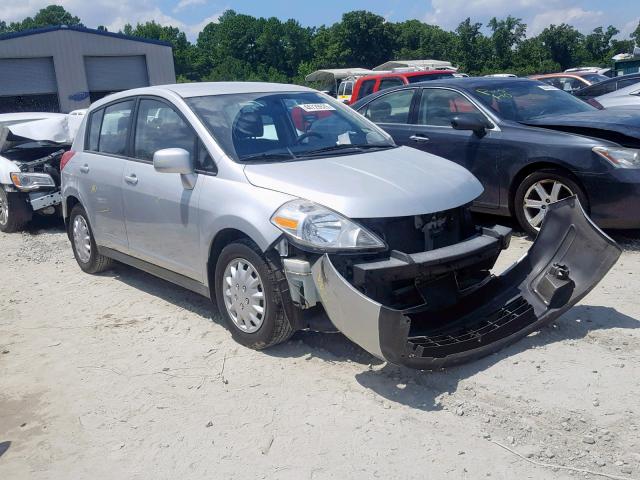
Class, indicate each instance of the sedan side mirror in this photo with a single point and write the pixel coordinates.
(176, 160)
(469, 121)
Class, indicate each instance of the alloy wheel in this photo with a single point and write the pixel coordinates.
(244, 295)
(538, 198)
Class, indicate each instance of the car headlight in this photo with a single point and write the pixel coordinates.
(314, 226)
(27, 181)
(620, 157)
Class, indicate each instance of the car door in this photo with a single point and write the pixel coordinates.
(100, 172)
(392, 112)
(432, 132)
(161, 215)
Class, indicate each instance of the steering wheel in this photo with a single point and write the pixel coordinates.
(308, 135)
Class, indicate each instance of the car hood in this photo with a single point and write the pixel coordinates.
(389, 183)
(621, 125)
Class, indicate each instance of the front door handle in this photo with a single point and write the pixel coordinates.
(419, 138)
(84, 168)
(131, 179)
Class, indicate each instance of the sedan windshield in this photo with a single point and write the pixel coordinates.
(285, 126)
(522, 101)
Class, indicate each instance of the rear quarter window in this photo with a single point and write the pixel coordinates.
(95, 122)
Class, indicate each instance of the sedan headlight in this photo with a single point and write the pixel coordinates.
(619, 156)
(314, 226)
(27, 181)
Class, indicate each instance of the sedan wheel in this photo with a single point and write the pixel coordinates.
(538, 198)
(244, 295)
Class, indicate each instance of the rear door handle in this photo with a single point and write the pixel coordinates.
(419, 138)
(131, 179)
(84, 168)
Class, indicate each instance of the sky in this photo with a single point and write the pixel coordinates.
(192, 15)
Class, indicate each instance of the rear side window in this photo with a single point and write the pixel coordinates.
(366, 88)
(390, 82)
(159, 126)
(95, 122)
(597, 90)
(391, 108)
(114, 131)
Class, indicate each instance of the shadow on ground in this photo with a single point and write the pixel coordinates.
(417, 389)
(4, 446)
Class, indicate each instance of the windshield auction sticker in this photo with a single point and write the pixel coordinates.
(316, 107)
(547, 87)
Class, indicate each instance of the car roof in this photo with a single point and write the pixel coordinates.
(563, 74)
(405, 74)
(467, 83)
(201, 89)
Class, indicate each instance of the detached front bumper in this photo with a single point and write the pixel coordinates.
(568, 258)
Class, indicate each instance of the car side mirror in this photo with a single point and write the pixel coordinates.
(176, 160)
(469, 121)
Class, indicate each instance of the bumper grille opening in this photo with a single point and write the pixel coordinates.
(473, 331)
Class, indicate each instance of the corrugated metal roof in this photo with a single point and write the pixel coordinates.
(75, 28)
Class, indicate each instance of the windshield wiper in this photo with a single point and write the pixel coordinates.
(265, 156)
(343, 147)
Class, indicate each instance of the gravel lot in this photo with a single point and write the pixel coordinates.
(126, 376)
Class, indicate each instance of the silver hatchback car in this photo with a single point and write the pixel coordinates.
(290, 209)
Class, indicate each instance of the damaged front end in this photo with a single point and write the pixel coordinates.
(441, 307)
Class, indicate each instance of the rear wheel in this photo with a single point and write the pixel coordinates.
(84, 245)
(539, 190)
(15, 212)
(248, 296)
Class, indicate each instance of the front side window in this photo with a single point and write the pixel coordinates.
(159, 126)
(285, 126)
(438, 106)
(522, 101)
(348, 88)
(394, 107)
(114, 131)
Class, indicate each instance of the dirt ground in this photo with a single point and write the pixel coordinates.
(126, 376)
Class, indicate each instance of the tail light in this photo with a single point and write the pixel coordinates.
(66, 156)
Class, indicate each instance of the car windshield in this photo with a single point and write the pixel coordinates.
(429, 76)
(525, 101)
(285, 126)
(594, 77)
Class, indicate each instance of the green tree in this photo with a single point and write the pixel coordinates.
(415, 39)
(635, 35)
(563, 43)
(183, 51)
(506, 36)
(597, 45)
(473, 49)
(49, 16)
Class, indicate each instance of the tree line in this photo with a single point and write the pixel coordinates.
(244, 47)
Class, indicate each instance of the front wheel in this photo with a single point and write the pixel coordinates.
(248, 296)
(14, 211)
(537, 191)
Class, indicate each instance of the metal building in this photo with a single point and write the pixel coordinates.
(60, 69)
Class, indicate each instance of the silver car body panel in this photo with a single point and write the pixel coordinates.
(389, 183)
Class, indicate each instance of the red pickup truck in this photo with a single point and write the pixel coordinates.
(373, 83)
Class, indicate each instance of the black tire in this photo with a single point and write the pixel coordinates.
(275, 327)
(17, 211)
(532, 179)
(96, 263)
